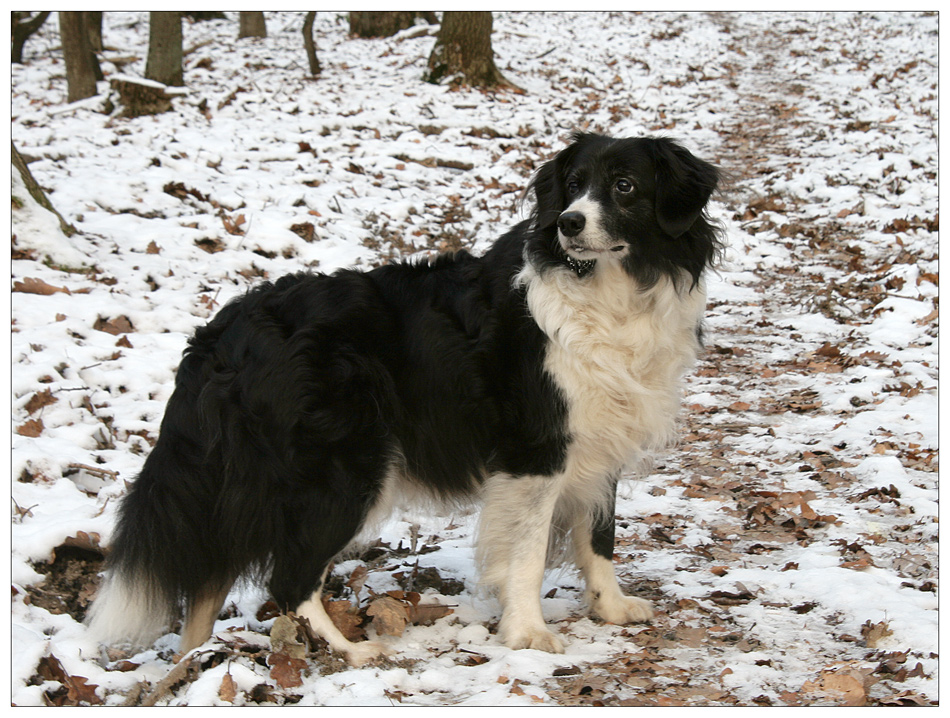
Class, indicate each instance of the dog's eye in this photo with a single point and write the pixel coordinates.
(573, 187)
(624, 186)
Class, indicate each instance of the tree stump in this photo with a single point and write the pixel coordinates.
(143, 97)
(386, 24)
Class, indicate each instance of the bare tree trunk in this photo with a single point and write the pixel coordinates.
(309, 45)
(463, 54)
(164, 49)
(81, 64)
(201, 16)
(22, 27)
(386, 24)
(36, 191)
(94, 26)
(252, 24)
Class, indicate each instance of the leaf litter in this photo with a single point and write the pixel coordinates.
(789, 541)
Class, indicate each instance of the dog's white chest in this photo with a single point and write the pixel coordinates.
(618, 354)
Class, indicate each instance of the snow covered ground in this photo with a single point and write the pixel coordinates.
(789, 543)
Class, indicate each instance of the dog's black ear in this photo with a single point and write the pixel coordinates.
(684, 184)
(548, 191)
(549, 182)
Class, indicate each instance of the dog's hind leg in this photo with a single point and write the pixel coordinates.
(356, 654)
(300, 568)
(200, 617)
(593, 543)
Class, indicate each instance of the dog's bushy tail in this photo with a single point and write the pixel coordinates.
(166, 551)
(162, 557)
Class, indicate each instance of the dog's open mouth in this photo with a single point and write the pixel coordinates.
(582, 251)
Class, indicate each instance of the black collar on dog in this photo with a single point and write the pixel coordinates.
(581, 267)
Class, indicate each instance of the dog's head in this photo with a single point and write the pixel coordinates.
(637, 201)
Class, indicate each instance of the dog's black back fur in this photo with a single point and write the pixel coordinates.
(293, 402)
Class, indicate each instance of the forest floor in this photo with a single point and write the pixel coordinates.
(789, 543)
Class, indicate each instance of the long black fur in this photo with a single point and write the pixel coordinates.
(294, 402)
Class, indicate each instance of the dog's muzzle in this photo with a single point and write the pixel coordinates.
(589, 244)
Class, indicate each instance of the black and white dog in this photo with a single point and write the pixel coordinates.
(527, 378)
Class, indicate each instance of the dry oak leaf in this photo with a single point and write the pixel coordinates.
(32, 428)
(415, 612)
(389, 614)
(346, 618)
(31, 285)
(119, 325)
(906, 698)
(283, 638)
(39, 400)
(82, 540)
(233, 226)
(228, 689)
(848, 685)
(77, 689)
(358, 578)
(286, 670)
(423, 614)
(875, 632)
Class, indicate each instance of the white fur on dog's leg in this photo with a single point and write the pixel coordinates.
(357, 654)
(603, 593)
(540, 639)
(516, 521)
(620, 609)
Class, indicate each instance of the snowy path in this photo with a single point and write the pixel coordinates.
(811, 488)
(818, 523)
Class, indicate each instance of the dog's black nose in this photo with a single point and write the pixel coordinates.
(571, 223)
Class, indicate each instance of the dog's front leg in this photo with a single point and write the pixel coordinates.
(593, 541)
(513, 541)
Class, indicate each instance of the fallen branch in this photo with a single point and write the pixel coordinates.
(175, 675)
(95, 471)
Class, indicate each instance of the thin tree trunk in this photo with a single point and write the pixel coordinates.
(164, 49)
(94, 26)
(36, 191)
(80, 61)
(92, 21)
(309, 45)
(21, 30)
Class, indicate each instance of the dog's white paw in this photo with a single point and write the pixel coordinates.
(622, 609)
(540, 639)
(359, 654)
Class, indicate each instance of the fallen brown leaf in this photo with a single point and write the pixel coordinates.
(31, 428)
(346, 618)
(286, 670)
(227, 691)
(39, 400)
(31, 285)
(846, 684)
(389, 614)
(78, 690)
(875, 632)
(119, 325)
